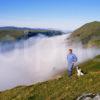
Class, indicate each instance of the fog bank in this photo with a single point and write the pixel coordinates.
(38, 59)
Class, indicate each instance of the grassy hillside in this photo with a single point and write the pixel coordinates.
(12, 33)
(63, 88)
(88, 34)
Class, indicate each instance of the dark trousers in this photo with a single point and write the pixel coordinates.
(70, 68)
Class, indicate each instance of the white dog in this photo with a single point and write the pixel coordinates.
(79, 72)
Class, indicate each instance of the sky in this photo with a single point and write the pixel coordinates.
(57, 14)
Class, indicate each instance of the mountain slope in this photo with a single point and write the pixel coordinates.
(24, 33)
(62, 88)
(88, 34)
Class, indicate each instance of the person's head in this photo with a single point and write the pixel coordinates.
(70, 50)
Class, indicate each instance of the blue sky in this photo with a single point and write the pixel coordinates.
(59, 14)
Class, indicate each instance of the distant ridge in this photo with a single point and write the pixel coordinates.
(25, 33)
(20, 28)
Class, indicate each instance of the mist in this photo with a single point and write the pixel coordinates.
(38, 59)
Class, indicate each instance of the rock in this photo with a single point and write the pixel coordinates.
(97, 97)
(89, 96)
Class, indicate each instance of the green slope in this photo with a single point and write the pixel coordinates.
(88, 34)
(62, 88)
(12, 33)
(19, 33)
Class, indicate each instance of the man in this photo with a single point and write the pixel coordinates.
(72, 59)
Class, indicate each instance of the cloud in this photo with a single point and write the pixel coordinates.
(37, 59)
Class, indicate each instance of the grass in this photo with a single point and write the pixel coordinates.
(63, 88)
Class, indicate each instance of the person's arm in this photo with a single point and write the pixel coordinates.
(74, 58)
(67, 57)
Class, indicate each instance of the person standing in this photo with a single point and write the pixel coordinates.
(71, 59)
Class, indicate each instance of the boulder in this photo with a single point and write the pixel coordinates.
(89, 96)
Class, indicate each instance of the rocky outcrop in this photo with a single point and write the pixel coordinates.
(89, 96)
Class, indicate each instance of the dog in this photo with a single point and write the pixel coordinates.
(79, 72)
